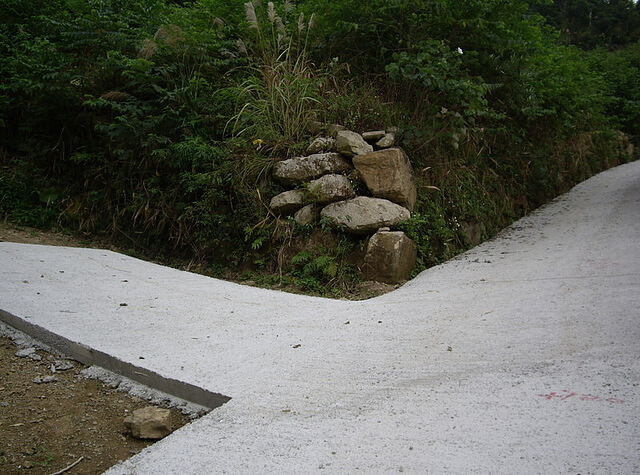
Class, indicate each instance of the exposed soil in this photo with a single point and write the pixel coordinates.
(11, 233)
(47, 426)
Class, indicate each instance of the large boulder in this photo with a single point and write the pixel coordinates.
(388, 174)
(287, 202)
(297, 170)
(362, 215)
(149, 423)
(390, 257)
(350, 143)
(330, 188)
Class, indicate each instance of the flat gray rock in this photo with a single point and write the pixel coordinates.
(307, 215)
(362, 215)
(287, 202)
(320, 144)
(388, 140)
(295, 171)
(373, 135)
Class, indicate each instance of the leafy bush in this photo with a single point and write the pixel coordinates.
(26, 203)
(620, 71)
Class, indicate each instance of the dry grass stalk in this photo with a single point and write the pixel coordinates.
(242, 47)
(171, 35)
(219, 23)
(148, 49)
(251, 15)
(115, 96)
(271, 12)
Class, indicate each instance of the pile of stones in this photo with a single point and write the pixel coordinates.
(323, 184)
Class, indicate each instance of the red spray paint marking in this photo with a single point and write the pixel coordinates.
(565, 394)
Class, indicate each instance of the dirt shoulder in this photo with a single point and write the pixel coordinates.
(51, 418)
(13, 233)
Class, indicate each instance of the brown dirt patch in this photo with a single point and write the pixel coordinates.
(48, 426)
(11, 233)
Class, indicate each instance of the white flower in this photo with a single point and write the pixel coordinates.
(459, 50)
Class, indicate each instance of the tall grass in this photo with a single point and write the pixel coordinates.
(280, 95)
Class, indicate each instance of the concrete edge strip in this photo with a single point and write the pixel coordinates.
(90, 357)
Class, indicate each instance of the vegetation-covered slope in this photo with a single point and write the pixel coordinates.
(156, 122)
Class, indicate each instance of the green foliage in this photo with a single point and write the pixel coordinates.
(312, 269)
(279, 97)
(561, 87)
(593, 23)
(28, 203)
(437, 71)
(116, 117)
(131, 120)
(323, 268)
(620, 71)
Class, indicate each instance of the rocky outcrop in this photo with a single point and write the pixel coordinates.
(298, 170)
(390, 258)
(362, 215)
(324, 191)
(149, 423)
(388, 174)
(350, 143)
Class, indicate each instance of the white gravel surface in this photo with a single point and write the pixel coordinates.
(520, 356)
